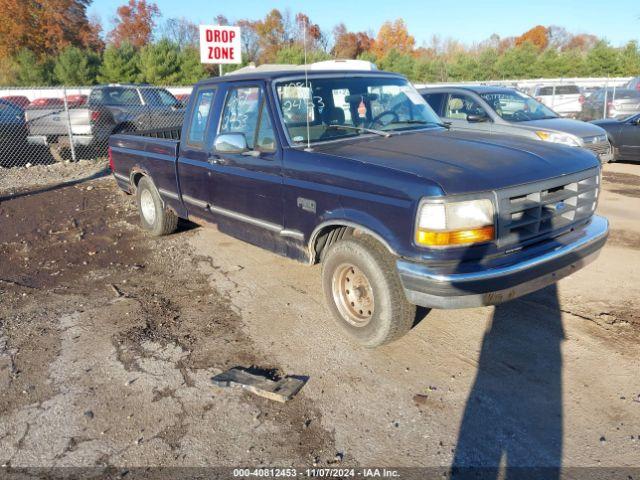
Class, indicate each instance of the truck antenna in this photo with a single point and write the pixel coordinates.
(306, 82)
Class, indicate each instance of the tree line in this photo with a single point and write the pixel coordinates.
(54, 42)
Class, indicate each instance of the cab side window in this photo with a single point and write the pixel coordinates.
(460, 105)
(241, 111)
(200, 115)
(435, 101)
(245, 112)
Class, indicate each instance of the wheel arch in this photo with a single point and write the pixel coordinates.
(331, 231)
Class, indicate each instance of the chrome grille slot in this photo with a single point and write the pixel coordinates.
(598, 145)
(539, 210)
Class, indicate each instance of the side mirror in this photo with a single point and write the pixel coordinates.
(231, 143)
(476, 118)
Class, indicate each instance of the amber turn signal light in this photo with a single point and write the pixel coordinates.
(457, 237)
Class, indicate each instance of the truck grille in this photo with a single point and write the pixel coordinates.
(540, 210)
(598, 144)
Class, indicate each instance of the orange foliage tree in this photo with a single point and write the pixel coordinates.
(46, 27)
(134, 23)
(538, 36)
(350, 44)
(393, 36)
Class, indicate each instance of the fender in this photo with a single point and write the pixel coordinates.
(362, 221)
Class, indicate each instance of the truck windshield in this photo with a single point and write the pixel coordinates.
(348, 106)
(517, 107)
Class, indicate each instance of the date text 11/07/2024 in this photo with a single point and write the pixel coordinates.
(316, 472)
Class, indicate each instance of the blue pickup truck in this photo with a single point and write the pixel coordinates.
(354, 170)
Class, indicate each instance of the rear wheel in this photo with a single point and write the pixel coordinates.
(154, 217)
(364, 293)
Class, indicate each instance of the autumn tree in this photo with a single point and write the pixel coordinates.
(350, 44)
(393, 36)
(181, 31)
(250, 40)
(46, 27)
(134, 23)
(538, 36)
(272, 35)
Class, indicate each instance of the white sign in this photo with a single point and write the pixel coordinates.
(220, 44)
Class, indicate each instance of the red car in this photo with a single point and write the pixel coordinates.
(47, 102)
(18, 100)
(76, 100)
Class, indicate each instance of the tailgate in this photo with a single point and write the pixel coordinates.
(53, 122)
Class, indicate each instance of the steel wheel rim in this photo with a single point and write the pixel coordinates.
(148, 207)
(353, 295)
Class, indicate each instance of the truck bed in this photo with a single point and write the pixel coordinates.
(148, 151)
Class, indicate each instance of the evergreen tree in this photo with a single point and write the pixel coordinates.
(518, 62)
(159, 63)
(630, 59)
(191, 70)
(76, 67)
(120, 64)
(602, 60)
(31, 72)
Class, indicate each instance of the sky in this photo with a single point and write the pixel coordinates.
(468, 21)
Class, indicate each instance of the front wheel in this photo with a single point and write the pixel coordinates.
(154, 217)
(364, 292)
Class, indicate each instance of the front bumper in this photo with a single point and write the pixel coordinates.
(426, 287)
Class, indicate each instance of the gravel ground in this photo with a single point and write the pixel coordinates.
(109, 338)
(19, 179)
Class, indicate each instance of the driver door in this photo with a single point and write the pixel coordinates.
(457, 109)
(630, 139)
(247, 187)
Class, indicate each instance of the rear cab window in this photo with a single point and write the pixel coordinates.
(200, 116)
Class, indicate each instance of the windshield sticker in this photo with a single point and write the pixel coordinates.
(298, 138)
(362, 109)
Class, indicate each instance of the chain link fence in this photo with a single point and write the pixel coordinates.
(42, 126)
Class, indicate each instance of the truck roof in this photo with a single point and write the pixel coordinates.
(276, 74)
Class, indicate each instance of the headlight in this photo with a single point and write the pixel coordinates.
(555, 137)
(455, 223)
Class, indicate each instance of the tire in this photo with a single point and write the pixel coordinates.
(380, 312)
(154, 218)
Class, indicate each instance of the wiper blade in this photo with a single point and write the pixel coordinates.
(359, 129)
(422, 122)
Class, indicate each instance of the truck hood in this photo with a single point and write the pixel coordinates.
(465, 162)
(565, 125)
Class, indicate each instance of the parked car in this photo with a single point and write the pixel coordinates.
(400, 210)
(108, 109)
(621, 103)
(42, 103)
(624, 136)
(13, 133)
(498, 110)
(565, 100)
(634, 84)
(76, 100)
(18, 100)
(183, 98)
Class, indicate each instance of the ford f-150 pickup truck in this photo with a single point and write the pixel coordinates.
(354, 170)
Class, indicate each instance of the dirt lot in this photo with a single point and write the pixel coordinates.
(109, 338)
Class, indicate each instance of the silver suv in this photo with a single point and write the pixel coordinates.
(500, 110)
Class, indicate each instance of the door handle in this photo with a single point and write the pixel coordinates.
(214, 159)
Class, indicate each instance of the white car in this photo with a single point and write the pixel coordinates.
(566, 100)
